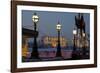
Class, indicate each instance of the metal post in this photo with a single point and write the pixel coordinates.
(84, 49)
(74, 56)
(34, 53)
(58, 54)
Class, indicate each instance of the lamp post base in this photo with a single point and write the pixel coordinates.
(34, 55)
(58, 54)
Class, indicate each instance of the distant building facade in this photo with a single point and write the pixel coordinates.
(53, 41)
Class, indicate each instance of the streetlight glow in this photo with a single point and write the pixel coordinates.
(83, 34)
(74, 32)
(58, 27)
(35, 18)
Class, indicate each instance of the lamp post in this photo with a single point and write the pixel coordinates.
(34, 53)
(84, 49)
(74, 43)
(58, 53)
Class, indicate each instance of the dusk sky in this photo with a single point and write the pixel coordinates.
(48, 21)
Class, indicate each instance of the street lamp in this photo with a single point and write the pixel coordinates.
(58, 53)
(34, 53)
(74, 33)
(35, 18)
(74, 44)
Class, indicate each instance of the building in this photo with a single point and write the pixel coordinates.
(52, 41)
(26, 34)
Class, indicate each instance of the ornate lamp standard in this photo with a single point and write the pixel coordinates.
(58, 53)
(34, 53)
(74, 44)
